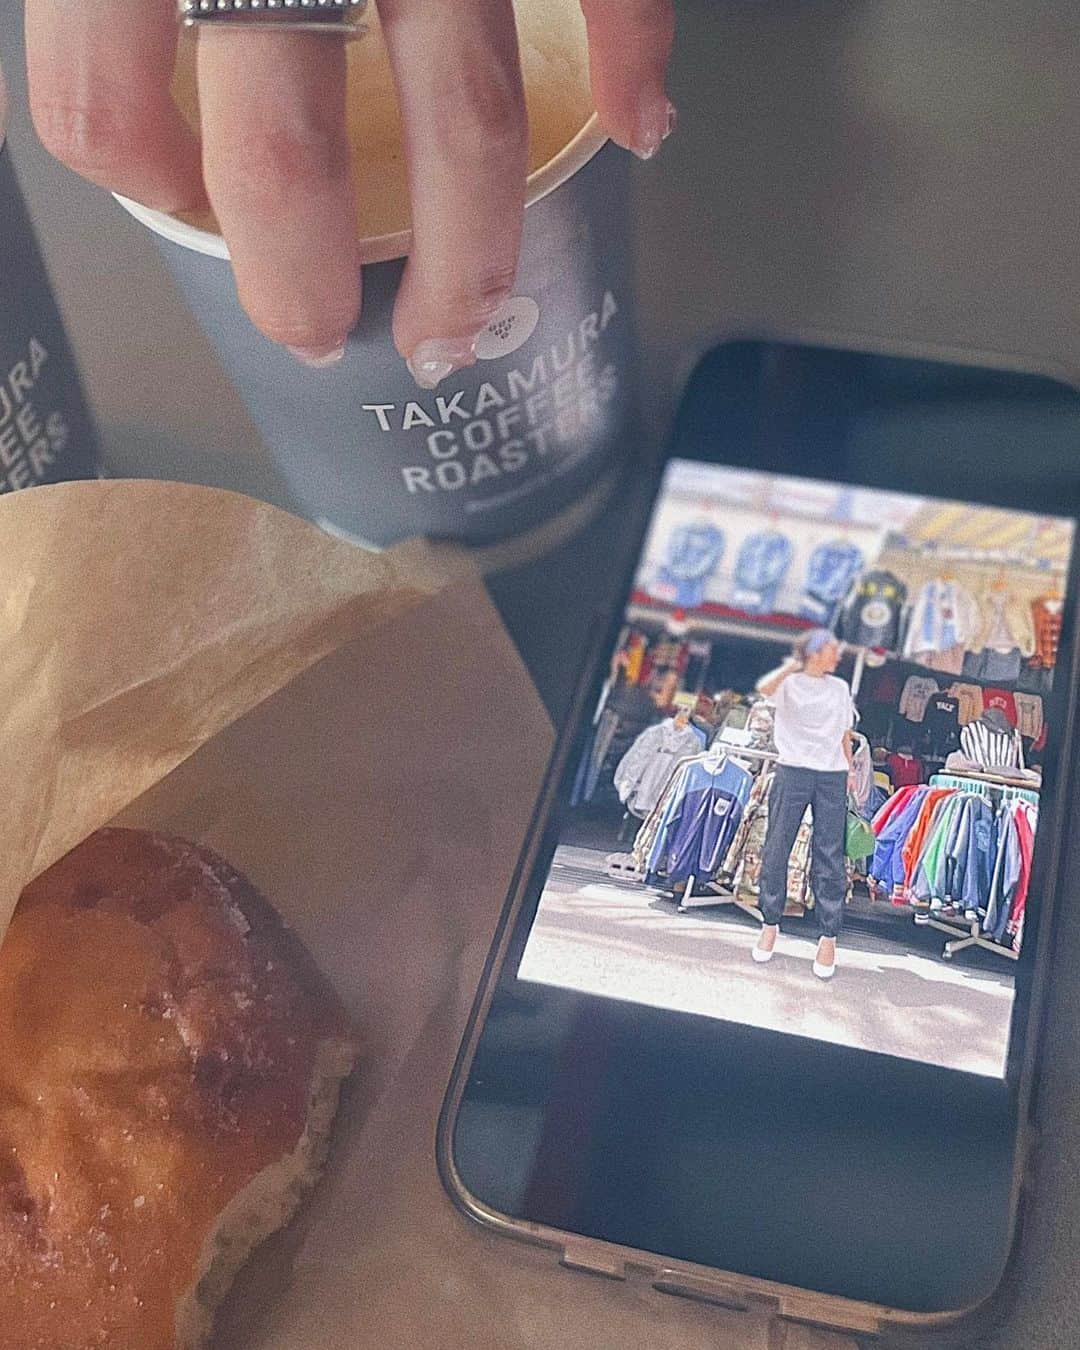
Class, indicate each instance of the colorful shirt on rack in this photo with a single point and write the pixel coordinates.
(1026, 824)
(1006, 877)
(949, 848)
(891, 825)
(755, 806)
(926, 869)
(912, 848)
(973, 851)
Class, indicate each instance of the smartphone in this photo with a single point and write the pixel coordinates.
(762, 1016)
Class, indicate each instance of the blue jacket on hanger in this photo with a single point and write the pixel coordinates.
(829, 574)
(760, 569)
(693, 554)
(702, 818)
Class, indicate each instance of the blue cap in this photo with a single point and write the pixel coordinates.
(816, 639)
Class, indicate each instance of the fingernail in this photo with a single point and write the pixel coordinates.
(435, 358)
(318, 358)
(657, 124)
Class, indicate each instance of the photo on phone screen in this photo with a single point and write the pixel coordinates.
(826, 710)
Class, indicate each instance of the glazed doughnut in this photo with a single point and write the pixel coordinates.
(169, 1071)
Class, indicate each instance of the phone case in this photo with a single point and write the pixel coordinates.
(777, 1316)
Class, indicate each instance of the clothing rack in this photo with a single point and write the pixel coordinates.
(971, 929)
(618, 865)
(973, 936)
(985, 782)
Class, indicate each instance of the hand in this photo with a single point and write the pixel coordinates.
(274, 157)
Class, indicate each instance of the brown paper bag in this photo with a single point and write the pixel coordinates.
(357, 734)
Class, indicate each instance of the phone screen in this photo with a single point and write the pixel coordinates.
(880, 790)
(764, 1001)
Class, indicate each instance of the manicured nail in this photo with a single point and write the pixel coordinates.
(435, 358)
(657, 124)
(318, 358)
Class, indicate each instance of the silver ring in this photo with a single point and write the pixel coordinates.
(338, 17)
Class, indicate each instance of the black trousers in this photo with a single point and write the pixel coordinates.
(825, 792)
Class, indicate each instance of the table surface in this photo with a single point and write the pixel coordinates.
(904, 170)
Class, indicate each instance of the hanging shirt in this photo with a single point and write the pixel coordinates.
(905, 770)
(862, 773)
(1003, 701)
(884, 685)
(913, 845)
(941, 726)
(944, 616)
(643, 772)
(955, 846)
(1006, 875)
(871, 614)
(988, 748)
(976, 852)
(831, 569)
(634, 655)
(1007, 625)
(704, 818)
(701, 734)
(1027, 821)
(950, 660)
(916, 693)
(1029, 715)
(999, 636)
(925, 867)
(813, 713)
(1046, 614)
(891, 825)
(760, 569)
(970, 699)
(891, 808)
(693, 554)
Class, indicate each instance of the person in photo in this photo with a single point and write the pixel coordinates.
(814, 718)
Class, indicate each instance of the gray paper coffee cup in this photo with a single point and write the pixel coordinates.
(499, 449)
(45, 430)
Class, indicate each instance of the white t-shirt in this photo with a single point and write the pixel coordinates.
(812, 714)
